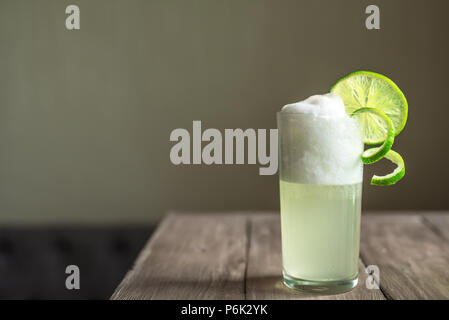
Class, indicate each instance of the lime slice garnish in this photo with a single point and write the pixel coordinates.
(368, 89)
(393, 177)
(381, 109)
(375, 154)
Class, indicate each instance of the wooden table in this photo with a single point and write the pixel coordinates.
(238, 256)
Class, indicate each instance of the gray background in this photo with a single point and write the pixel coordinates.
(85, 116)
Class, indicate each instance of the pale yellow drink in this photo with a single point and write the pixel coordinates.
(320, 230)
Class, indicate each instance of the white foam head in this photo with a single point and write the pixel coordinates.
(320, 143)
(327, 105)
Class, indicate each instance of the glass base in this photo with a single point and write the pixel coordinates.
(323, 287)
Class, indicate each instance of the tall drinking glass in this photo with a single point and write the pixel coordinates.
(321, 174)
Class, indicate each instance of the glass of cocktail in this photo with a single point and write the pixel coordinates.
(321, 157)
(320, 172)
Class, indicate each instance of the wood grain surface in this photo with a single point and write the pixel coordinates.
(190, 257)
(238, 256)
(413, 259)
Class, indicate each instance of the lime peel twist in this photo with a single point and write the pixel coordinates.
(373, 155)
(394, 176)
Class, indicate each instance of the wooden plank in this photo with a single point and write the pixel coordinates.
(191, 257)
(264, 271)
(413, 260)
(439, 223)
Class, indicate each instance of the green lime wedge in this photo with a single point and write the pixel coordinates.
(393, 177)
(375, 154)
(363, 89)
